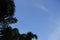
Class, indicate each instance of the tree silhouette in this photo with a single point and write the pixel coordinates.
(7, 32)
(22, 37)
(15, 34)
(30, 35)
(7, 8)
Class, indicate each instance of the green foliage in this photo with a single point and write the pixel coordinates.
(13, 34)
(7, 8)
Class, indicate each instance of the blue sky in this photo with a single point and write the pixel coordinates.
(41, 17)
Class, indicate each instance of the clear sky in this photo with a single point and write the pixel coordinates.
(41, 17)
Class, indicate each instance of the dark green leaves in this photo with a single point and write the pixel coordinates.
(13, 34)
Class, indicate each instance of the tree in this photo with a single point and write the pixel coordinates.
(30, 35)
(7, 8)
(15, 34)
(7, 32)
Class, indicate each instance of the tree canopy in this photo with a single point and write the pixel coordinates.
(13, 34)
(7, 8)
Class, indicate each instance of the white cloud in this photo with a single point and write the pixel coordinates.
(43, 8)
(40, 6)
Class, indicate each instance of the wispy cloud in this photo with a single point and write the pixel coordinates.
(41, 6)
